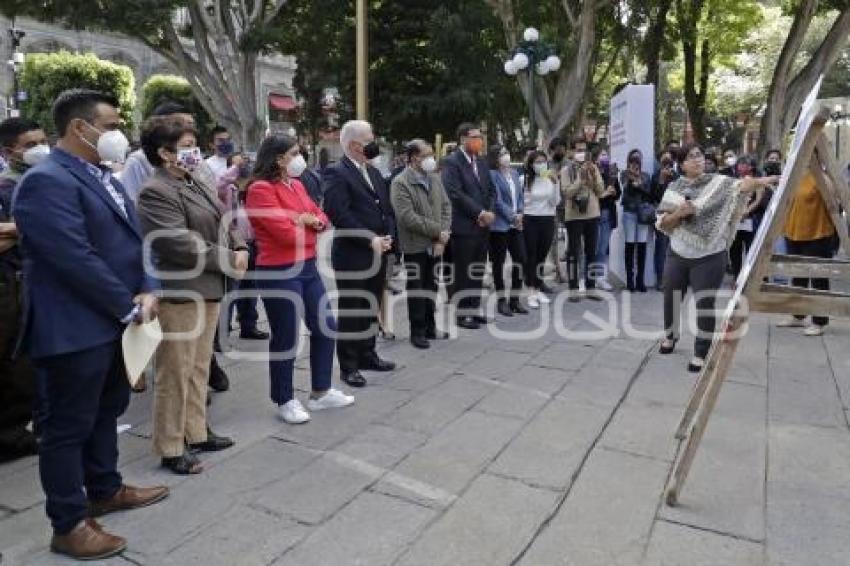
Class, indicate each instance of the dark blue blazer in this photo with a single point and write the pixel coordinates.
(82, 258)
(469, 194)
(505, 216)
(351, 205)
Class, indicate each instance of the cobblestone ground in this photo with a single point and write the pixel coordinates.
(512, 445)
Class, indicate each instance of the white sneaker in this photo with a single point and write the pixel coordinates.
(603, 285)
(813, 330)
(544, 300)
(533, 301)
(332, 399)
(790, 322)
(293, 412)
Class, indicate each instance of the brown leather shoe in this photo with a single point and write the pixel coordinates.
(128, 497)
(85, 542)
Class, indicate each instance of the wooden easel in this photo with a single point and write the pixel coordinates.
(811, 152)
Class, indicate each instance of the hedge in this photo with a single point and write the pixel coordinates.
(160, 88)
(45, 75)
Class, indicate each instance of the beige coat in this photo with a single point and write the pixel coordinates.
(592, 188)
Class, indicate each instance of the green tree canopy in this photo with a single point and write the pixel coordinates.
(160, 88)
(46, 75)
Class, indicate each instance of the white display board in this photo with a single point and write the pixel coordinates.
(632, 127)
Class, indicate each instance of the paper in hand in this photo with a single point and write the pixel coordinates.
(139, 344)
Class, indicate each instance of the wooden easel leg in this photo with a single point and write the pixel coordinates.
(697, 395)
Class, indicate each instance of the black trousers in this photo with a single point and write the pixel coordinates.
(704, 276)
(501, 243)
(469, 256)
(358, 305)
(86, 392)
(421, 292)
(17, 377)
(539, 232)
(813, 248)
(582, 236)
(739, 249)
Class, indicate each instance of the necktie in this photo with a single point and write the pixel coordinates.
(365, 173)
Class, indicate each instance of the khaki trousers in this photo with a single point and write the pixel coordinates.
(182, 372)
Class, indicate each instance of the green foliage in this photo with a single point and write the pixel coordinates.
(44, 76)
(160, 88)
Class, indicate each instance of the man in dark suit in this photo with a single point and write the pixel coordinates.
(358, 204)
(84, 281)
(466, 178)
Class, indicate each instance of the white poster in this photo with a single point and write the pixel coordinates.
(632, 127)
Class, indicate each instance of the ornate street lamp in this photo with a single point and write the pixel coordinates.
(16, 63)
(839, 118)
(532, 55)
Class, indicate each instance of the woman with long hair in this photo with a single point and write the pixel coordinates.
(287, 224)
(538, 222)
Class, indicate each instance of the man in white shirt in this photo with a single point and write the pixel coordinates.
(222, 147)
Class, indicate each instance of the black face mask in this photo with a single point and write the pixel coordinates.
(772, 168)
(371, 150)
(558, 156)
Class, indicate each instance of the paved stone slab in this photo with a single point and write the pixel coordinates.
(808, 496)
(21, 490)
(495, 363)
(548, 451)
(489, 525)
(381, 445)
(607, 517)
(836, 340)
(546, 380)
(804, 394)
(436, 408)
(23, 534)
(420, 377)
(371, 531)
(452, 458)
(644, 428)
(725, 488)
(598, 386)
(664, 380)
(565, 355)
(677, 545)
(243, 535)
(513, 401)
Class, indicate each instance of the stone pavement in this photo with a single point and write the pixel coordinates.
(513, 445)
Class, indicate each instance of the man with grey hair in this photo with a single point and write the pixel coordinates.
(358, 204)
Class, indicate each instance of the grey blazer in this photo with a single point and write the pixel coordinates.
(192, 242)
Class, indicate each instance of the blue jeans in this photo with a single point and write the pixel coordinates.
(634, 231)
(285, 314)
(604, 237)
(662, 242)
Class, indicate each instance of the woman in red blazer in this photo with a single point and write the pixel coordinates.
(286, 225)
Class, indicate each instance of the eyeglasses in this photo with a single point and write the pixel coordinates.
(695, 157)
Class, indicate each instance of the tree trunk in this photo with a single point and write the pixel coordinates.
(694, 99)
(653, 43)
(787, 93)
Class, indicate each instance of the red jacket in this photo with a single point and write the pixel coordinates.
(273, 209)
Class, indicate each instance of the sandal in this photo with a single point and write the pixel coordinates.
(183, 465)
(667, 346)
(696, 365)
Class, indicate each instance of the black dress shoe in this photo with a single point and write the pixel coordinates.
(353, 378)
(517, 308)
(481, 319)
(434, 334)
(468, 322)
(218, 379)
(213, 443)
(253, 334)
(377, 364)
(420, 342)
(504, 309)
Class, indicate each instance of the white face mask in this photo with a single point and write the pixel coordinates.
(731, 161)
(429, 164)
(36, 154)
(505, 160)
(296, 166)
(189, 157)
(540, 168)
(111, 146)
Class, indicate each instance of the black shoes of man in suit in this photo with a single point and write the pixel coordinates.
(356, 379)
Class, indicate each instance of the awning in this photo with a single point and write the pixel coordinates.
(281, 102)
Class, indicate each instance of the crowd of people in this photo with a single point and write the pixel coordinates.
(93, 239)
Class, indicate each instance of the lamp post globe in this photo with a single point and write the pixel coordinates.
(521, 60)
(553, 62)
(510, 68)
(531, 34)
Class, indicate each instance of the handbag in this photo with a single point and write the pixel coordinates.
(646, 213)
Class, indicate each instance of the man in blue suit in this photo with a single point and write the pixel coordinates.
(84, 281)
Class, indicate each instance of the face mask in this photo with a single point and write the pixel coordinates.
(224, 148)
(604, 161)
(245, 170)
(296, 166)
(731, 161)
(111, 146)
(371, 150)
(429, 164)
(505, 160)
(189, 157)
(474, 146)
(540, 168)
(579, 156)
(37, 154)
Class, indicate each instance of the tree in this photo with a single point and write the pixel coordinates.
(791, 82)
(709, 30)
(46, 75)
(210, 43)
(161, 88)
(559, 97)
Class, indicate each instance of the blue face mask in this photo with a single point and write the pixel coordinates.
(224, 148)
